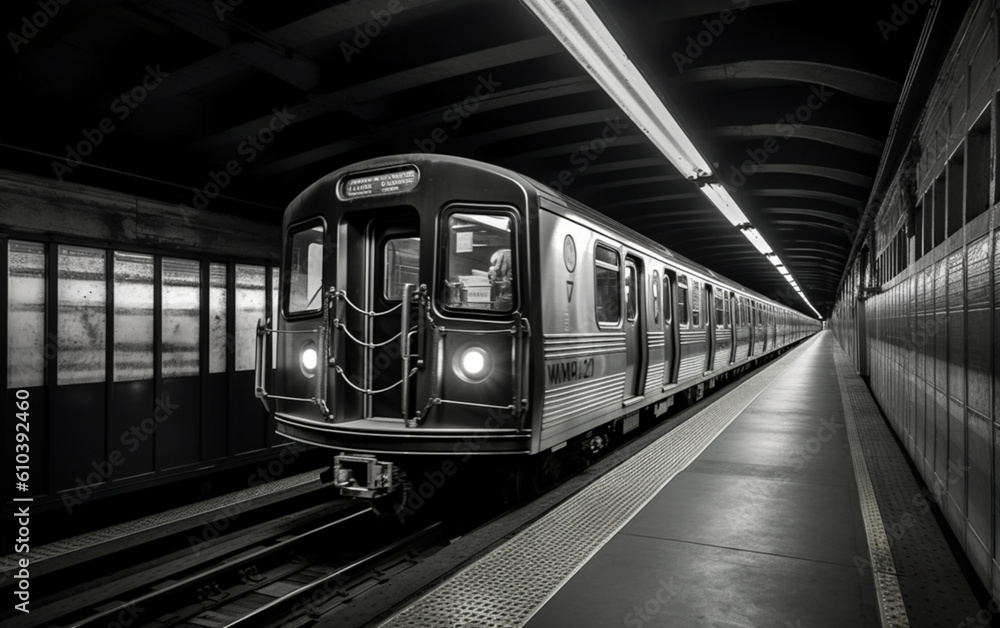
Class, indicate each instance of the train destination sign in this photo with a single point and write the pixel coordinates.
(374, 184)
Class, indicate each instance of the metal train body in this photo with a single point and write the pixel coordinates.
(397, 338)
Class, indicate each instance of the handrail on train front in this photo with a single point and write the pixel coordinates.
(260, 364)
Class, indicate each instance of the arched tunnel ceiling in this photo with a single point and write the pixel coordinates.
(792, 101)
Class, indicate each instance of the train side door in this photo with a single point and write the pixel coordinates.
(670, 360)
(634, 329)
(710, 339)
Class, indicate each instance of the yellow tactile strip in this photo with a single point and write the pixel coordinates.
(891, 608)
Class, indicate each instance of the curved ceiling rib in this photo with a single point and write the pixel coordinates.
(839, 137)
(863, 84)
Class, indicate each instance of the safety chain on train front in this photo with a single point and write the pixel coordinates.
(339, 324)
(340, 294)
(369, 391)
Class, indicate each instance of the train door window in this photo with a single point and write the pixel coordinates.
(133, 325)
(696, 303)
(25, 314)
(655, 290)
(682, 301)
(401, 258)
(631, 300)
(217, 295)
(82, 318)
(275, 282)
(720, 310)
(305, 270)
(668, 301)
(480, 267)
(181, 307)
(607, 293)
(251, 306)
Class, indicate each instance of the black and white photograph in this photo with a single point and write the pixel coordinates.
(500, 314)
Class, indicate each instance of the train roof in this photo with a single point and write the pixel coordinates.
(543, 191)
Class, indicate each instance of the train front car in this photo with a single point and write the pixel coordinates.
(402, 331)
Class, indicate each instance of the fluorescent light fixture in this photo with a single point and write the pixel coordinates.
(578, 28)
(581, 31)
(724, 202)
(757, 240)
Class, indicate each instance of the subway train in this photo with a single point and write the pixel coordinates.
(437, 306)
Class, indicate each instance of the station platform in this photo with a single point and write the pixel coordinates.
(787, 502)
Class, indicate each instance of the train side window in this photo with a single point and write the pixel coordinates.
(480, 265)
(668, 301)
(655, 290)
(631, 309)
(181, 307)
(82, 318)
(720, 311)
(696, 303)
(682, 301)
(251, 306)
(25, 314)
(305, 270)
(607, 293)
(133, 325)
(402, 257)
(217, 297)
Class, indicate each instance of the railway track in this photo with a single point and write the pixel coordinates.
(288, 576)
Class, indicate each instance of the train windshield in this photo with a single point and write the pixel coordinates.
(305, 270)
(480, 263)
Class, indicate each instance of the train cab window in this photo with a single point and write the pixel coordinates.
(696, 303)
(401, 257)
(25, 314)
(655, 290)
(631, 302)
(682, 301)
(305, 270)
(607, 294)
(480, 265)
(82, 315)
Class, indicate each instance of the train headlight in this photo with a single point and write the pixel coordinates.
(473, 364)
(308, 358)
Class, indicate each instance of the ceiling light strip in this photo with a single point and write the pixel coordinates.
(575, 24)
